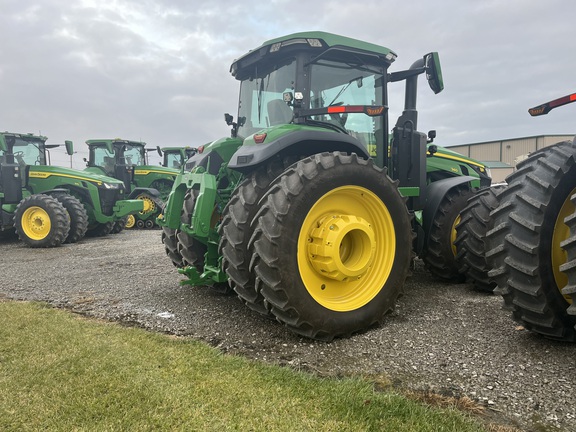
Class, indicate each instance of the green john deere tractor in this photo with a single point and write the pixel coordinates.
(92, 202)
(531, 246)
(310, 211)
(127, 161)
(175, 157)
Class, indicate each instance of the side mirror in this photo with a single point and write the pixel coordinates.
(434, 72)
(229, 119)
(159, 150)
(69, 147)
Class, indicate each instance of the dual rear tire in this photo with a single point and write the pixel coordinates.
(331, 246)
(532, 245)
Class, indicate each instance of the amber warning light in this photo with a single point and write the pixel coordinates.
(369, 110)
(549, 106)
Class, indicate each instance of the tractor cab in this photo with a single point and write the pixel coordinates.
(327, 92)
(175, 157)
(117, 158)
(12, 176)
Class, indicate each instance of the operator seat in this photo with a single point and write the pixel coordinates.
(279, 113)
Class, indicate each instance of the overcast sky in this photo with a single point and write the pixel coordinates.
(158, 71)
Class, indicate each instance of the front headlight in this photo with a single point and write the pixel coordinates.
(111, 185)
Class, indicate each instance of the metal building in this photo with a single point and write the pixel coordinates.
(503, 155)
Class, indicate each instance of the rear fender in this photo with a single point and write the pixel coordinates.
(304, 142)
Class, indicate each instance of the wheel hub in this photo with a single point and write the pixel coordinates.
(36, 223)
(342, 247)
(149, 204)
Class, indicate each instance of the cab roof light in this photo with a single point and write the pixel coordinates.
(315, 43)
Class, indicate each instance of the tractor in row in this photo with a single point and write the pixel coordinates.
(312, 212)
(127, 161)
(175, 157)
(48, 205)
(519, 239)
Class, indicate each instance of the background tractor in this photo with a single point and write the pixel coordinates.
(311, 211)
(127, 161)
(39, 220)
(93, 202)
(531, 247)
(175, 157)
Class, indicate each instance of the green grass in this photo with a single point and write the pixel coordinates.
(62, 372)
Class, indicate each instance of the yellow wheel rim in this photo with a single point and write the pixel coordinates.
(346, 248)
(453, 235)
(561, 233)
(36, 223)
(149, 205)
(130, 222)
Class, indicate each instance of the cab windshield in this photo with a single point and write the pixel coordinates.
(134, 154)
(341, 84)
(28, 152)
(102, 158)
(332, 83)
(172, 160)
(261, 98)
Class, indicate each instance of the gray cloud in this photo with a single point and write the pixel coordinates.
(159, 71)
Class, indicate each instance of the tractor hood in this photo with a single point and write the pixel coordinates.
(154, 169)
(43, 171)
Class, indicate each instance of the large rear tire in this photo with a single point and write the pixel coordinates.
(77, 214)
(119, 225)
(475, 222)
(41, 221)
(440, 251)
(332, 246)
(525, 244)
(235, 232)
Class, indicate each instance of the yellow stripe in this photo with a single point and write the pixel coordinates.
(456, 158)
(146, 172)
(36, 174)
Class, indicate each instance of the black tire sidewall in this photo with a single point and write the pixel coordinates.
(340, 323)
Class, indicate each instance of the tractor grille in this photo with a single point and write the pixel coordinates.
(108, 198)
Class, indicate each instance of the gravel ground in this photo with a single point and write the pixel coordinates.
(444, 338)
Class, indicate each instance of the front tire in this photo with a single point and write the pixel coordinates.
(235, 232)
(100, 229)
(475, 222)
(440, 252)
(41, 221)
(332, 246)
(119, 225)
(190, 249)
